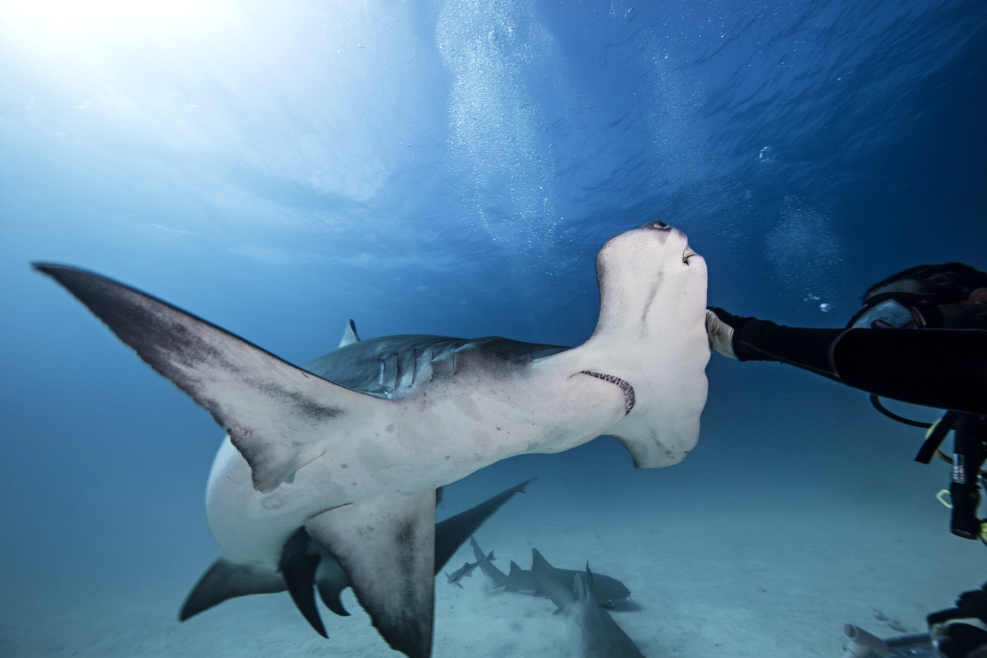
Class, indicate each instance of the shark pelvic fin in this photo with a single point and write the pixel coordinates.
(331, 581)
(279, 417)
(387, 550)
(226, 580)
(298, 567)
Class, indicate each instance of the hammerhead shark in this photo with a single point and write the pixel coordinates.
(354, 445)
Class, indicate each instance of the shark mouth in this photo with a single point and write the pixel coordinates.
(624, 386)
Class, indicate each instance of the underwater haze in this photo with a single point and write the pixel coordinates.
(452, 167)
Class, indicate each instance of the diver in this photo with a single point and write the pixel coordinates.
(920, 337)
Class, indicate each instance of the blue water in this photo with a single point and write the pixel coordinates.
(452, 168)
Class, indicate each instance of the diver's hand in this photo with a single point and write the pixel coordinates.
(720, 327)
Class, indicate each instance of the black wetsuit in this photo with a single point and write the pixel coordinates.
(942, 368)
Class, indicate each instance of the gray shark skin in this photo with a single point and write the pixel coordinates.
(598, 635)
(467, 570)
(609, 591)
(225, 580)
(354, 447)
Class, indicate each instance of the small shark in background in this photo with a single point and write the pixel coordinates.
(609, 591)
(598, 635)
(467, 570)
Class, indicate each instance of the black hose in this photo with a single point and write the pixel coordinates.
(876, 401)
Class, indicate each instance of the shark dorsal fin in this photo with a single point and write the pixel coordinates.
(515, 569)
(539, 563)
(349, 335)
(590, 583)
(579, 587)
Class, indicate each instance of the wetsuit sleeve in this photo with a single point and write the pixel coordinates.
(942, 368)
(761, 340)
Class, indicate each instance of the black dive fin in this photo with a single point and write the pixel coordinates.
(226, 580)
(451, 533)
(387, 550)
(331, 581)
(298, 567)
(279, 417)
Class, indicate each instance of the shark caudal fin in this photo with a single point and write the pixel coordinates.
(279, 417)
(387, 550)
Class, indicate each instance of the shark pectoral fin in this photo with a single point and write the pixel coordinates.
(226, 580)
(387, 549)
(331, 581)
(298, 567)
(279, 417)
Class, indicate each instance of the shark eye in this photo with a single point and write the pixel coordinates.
(657, 226)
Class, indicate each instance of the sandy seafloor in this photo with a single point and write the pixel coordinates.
(703, 585)
(734, 552)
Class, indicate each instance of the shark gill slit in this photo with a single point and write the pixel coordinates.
(620, 383)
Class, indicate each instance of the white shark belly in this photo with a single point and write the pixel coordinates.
(460, 430)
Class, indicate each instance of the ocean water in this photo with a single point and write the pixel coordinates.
(452, 167)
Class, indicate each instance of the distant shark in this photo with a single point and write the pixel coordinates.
(467, 570)
(353, 446)
(609, 591)
(598, 635)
